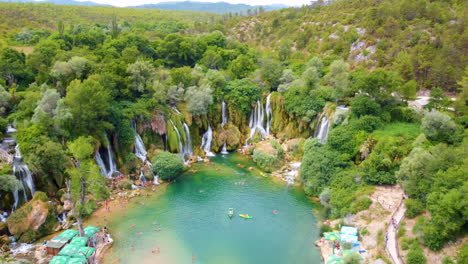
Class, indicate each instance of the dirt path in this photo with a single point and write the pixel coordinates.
(391, 245)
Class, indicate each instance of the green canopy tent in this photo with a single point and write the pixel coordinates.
(351, 252)
(79, 241)
(334, 259)
(90, 231)
(77, 260)
(67, 234)
(331, 236)
(59, 260)
(85, 252)
(69, 250)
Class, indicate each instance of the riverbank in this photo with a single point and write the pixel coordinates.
(372, 223)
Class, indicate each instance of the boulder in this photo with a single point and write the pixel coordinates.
(33, 220)
(3, 229)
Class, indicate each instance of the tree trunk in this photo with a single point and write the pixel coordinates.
(82, 198)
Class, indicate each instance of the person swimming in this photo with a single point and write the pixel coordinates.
(275, 211)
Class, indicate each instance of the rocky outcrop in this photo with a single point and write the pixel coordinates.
(33, 220)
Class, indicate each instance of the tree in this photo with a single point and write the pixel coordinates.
(338, 78)
(408, 90)
(438, 126)
(363, 105)
(241, 67)
(198, 99)
(141, 75)
(284, 51)
(415, 254)
(286, 80)
(46, 106)
(175, 94)
(318, 166)
(89, 105)
(12, 67)
(168, 165)
(5, 99)
(85, 179)
(438, 99)
(271, 72)
(9, 183)
(242, 93)
(114, 28)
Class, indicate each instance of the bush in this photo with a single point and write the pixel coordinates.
(415, 254)
(361, 203)
(367, 123)
(3, 125)
(325, 228)
(438, 126)
(168, 165)
(363, 105)
(462, 256)
(266, 162)
(413, 207)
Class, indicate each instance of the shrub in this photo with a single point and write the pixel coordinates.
(367, 123)
(438, 126)
(325, 228)
(363, 105)
(168, 165)
(265, 161)
(413, 207)
(361, 203)
(415, 254)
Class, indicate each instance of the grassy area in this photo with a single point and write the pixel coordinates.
(407, 130)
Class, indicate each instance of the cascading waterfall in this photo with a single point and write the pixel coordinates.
(110, 168)
(188, 141)
(206, 142)
(140, 152)
(179, 139)
(224, 117)
(224, 121)
(269, 114)
(258, 122)
(24, 175)
(323, 128)
(15, 198)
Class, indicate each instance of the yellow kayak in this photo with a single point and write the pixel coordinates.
(246, 216)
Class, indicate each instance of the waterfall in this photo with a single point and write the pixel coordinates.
(188, 142)
(269, 114)
(323, 128)
(110, 168)
(140, 151)
(10, 129)
(23, 174)
(224, 118)
(155, 179)
(15, 198)
(179, 138)
(142, 177)
(257, 117)
(206, 142)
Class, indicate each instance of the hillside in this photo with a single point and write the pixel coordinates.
(218, 7)
(57, 2)
(422, 40)
(15, 16)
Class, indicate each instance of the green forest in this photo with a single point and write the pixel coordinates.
(78, 81)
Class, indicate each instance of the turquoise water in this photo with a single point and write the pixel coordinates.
(192, 216)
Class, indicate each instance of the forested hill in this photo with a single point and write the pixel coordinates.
(218, 7)
(17, 16)
(421, 39)
(57, 2)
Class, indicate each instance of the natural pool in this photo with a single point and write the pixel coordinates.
(192, 215)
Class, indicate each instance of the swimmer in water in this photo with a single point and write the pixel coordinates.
(275, 211)
(132, 248)
(132, 226)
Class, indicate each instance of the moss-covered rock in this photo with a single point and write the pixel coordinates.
(229, 134)
(3, 229)
(33, 220)
(285, 125)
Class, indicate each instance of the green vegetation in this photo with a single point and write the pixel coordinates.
(168, 165)
(86, 78)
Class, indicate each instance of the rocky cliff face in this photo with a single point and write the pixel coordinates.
(33, 220)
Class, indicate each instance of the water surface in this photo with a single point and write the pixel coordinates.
(192, 216)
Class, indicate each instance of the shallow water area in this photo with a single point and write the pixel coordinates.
(189, 221)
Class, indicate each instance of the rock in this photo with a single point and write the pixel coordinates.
(33, 220)
(5, 240)
(3, 229)
(192, 159)
(250, 169)
(67, 205)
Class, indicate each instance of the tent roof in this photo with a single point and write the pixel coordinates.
(59, 260)
(69, 250)
(79, 241)
(349, 230)
(90, 231)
